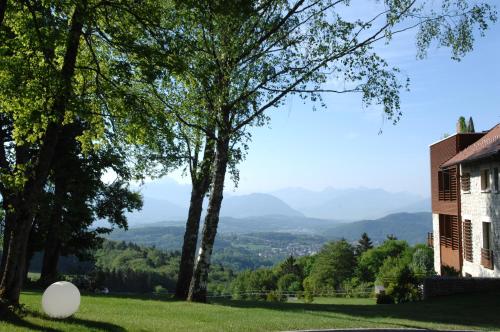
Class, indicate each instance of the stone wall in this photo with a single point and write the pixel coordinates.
(441, 286)
(480, 206)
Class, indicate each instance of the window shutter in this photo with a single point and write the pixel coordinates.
(467, 229)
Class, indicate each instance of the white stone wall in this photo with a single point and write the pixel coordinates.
(437, 250)
(481, 206)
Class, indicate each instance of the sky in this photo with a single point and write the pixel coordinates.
(341, 146)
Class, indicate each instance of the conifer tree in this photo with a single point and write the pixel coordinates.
(470, 126)
(364, 244)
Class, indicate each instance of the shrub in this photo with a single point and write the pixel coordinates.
(275, 296)
(423, 261)
(449, 271)
(355, 288)
(160, 289)
(289, 283)
(399, 280)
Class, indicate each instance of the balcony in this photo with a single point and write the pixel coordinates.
(487, 258)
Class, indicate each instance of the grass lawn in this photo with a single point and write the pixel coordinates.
(136, 313)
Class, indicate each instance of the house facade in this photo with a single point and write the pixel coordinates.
(466, 203)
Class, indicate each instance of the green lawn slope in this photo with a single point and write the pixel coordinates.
(135, 313)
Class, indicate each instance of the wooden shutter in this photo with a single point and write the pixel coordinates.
(465, 180)
(467, 240)
(455, 233)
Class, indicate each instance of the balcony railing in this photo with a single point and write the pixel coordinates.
(487, 258)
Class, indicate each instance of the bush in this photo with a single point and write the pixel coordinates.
(449, 271)
(289, 283)
(355, 288)
(159, 289)
(423, 261)
(275, 296)
(399, 280)
(308, 290)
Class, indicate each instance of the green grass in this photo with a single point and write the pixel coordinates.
(135, 313)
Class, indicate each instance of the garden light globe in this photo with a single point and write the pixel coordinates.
(61, 299)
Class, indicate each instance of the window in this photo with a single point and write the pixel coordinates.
(485, 179)
(465, 180)
(486, 235)
(447, 184)
(449, 231)
(467, 233)
(486, 252)
(495, 179)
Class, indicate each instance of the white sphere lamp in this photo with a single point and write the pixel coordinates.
(61, 299)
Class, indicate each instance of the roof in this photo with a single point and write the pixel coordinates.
(486, 146)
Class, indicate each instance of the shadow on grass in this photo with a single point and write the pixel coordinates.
(471, 310)
(13, 319)
(90, 324)
(134, 296)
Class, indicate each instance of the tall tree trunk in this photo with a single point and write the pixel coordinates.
(198, 286)
(7, 230)
(201, 183)
(52, 248)
(15, 256)
(51, 256)
(24, 212)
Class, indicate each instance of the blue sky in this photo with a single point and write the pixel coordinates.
(341, 147)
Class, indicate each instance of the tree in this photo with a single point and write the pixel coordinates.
(290, 266)
(255, 54)
(364, 244)
(186, 97)
(423, 261)
(23, 179)
(334, 264)
(461, 125)
(77, 198)
(470, 126)
(58, 66)
(371, 260)
(399, 280)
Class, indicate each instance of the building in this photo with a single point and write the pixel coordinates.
(466, 203)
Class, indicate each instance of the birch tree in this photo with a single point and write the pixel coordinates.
(260, 52)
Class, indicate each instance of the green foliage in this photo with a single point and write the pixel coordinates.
(334, 264)
(254, 284)
(275, 296)
(371, 261)
(289, 283)
(158, 289)
(309, 291)
(364, 244)
(399, 280)
(464, 126)
(355, 288)
(423, 261)
(449, 271)
(461, 125)
(470, 126)
(127, 267)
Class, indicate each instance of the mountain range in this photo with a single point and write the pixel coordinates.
(412, 227)
(167, 200)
